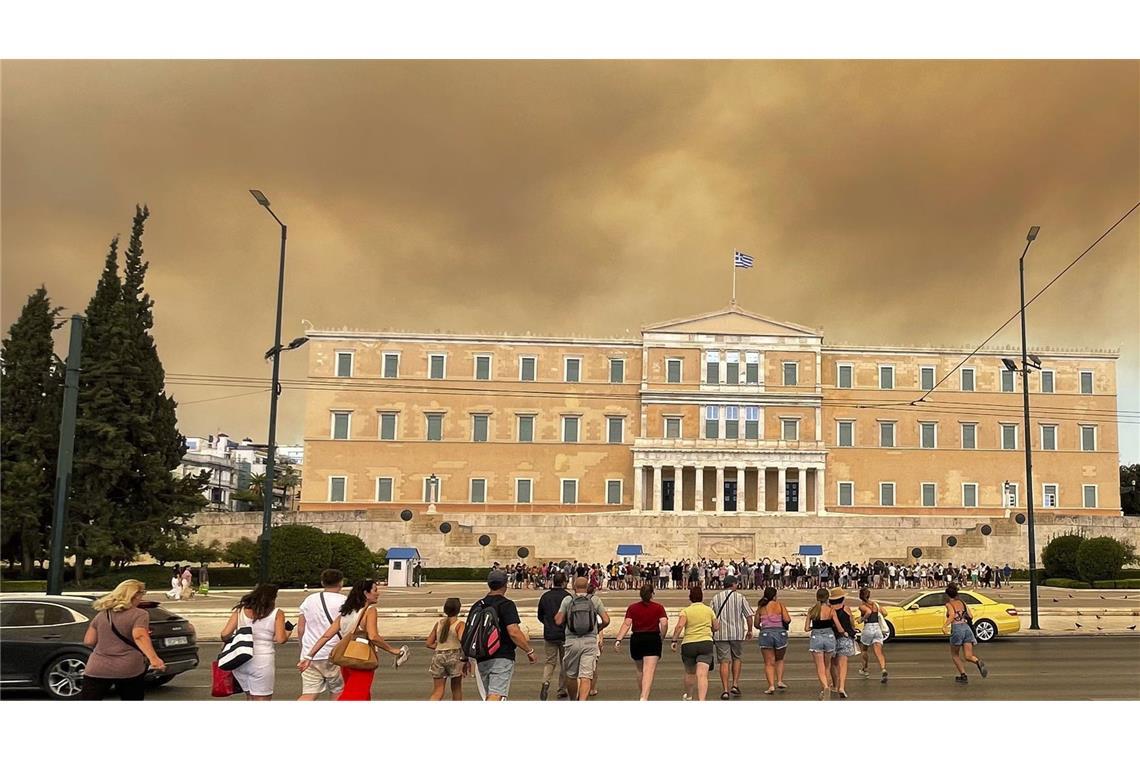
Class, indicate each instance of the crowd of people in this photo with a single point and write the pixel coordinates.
(620, 575)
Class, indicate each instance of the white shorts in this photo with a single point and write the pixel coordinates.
(322, 676)
(257, 676)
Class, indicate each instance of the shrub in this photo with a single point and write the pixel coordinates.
(1066, 583)
(243, 551)
(351, 556)
(1128, 583)
(1060, 556)
(297, 555)
(1101, 558)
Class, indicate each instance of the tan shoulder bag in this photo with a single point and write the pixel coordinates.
(356, 651)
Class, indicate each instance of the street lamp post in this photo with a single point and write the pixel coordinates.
(1033, 625)
(274, 392)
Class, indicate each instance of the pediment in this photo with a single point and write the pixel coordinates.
(731, 321)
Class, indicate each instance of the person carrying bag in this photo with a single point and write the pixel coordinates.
(355, 650)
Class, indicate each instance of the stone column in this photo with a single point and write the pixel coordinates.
(638, 488)
(656, 488)
(820, 491)
(678, 488)
(761, 476)
(781, 489)
(699, 490)
(720, 489)
(801, 475)
(741, 501)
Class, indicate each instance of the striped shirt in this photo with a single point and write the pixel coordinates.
(734, 615)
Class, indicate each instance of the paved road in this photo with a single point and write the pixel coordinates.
(1069, 668)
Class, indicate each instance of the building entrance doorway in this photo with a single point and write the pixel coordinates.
(730, 496)
(792, 496)
(667, 495)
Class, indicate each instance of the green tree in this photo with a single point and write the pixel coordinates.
(297, 554)
(29, 431)
(254, 492)
(240, 552)
(1101, 558)
(203, 554)
(1130, 489)
(1060, 556)
(351, 556)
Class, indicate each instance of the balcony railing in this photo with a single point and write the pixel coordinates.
(725, 444)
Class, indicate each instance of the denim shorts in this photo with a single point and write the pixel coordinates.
(822, 640)
(845, 646)
(496, 675)
(961, 633)
(773, 638)
(872, 634)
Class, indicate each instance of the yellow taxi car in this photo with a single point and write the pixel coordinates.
(924, 613)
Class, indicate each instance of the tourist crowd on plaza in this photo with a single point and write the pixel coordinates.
(781, 573)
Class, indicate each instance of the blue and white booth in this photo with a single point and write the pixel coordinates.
(629, 552)
(812, 554)
(403, 561)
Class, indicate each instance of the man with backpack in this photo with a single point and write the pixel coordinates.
(491, 637)
(553, 636)
(735, 616)
(580, 614)
(317, 613)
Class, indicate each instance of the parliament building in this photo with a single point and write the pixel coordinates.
(725, 413)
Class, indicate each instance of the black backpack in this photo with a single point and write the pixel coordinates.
(580, 618)
(483, 636)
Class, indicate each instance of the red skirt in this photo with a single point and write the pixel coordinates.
(357, 685)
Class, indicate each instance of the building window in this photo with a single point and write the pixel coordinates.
(526, 428)
(967, 378)
(1086, 382)
(846, 433)
(929, 494)
(523, 488)
(569, 429)
(615, 429)
(732, 422)
(344, 364)
(843, 375)
(1049, 495)
(672, 370)
(434, 426)
(791, 373)
(337, 487)
(1012, 492)
(437, 366)
(387, 426)
(572, 370)
(969, 494)
(1009, 437)
(617, 370)
(929, 434)
(846, 494)
(613, 492)
(1048, 437)
(712, 367)
(478, 490)
(752, 367)
(479, 425)
(886, 494)
(732, 367)
(1089, 496)
(391, 366)
(887, 377)
(712, 422)
(383, 489)
(340, 425)
(483, 367)
(429, 497)
(527, 368)
(926, 378)
(1088, 438)
(1046, 381)
(1007, 385)
(887, 435)
(569, 491)
(969, 435)
(790, 429)
(752, 423)
(672, 427)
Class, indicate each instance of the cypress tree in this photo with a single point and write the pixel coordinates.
(30, 397)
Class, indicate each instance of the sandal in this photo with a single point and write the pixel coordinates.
(725, 695)
(735, 691)
(770, 690)
(781, 685)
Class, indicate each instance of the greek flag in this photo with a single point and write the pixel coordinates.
(742, 260)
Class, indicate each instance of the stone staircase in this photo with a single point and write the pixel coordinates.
(971, 538)
(464, 536)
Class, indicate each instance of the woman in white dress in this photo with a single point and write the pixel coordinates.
(175, 591)
(259, 609)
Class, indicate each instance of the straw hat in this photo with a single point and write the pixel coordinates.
(836, 594)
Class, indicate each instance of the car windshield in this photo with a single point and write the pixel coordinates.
(912, 599)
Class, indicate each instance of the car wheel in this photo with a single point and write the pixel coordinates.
(63, 678)
(888, 632)
(985, 630)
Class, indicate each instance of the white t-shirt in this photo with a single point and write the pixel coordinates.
(316, 622)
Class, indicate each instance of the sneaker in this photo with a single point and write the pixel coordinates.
(405, 653)
(564, 695)
(686, 698)
(961, 678)
(884, 678)
(863, 672)
(983, 669)
(542, 695)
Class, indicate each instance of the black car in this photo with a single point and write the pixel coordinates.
(41, 643)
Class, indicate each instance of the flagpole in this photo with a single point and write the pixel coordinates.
(733, 278)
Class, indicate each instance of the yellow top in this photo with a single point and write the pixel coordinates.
(698, 623)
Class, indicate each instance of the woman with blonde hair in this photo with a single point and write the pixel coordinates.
(119, 636)
(447, 662)
(259, 610)
(820, 622)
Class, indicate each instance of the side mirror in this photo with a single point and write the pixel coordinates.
(912, 607)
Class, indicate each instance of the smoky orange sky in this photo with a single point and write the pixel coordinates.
(886, 202)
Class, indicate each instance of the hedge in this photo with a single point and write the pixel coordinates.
(351, 556)
(1066, 583)
(1060, 556)
(1129, 583)
(457, 574)
(1101, 558)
